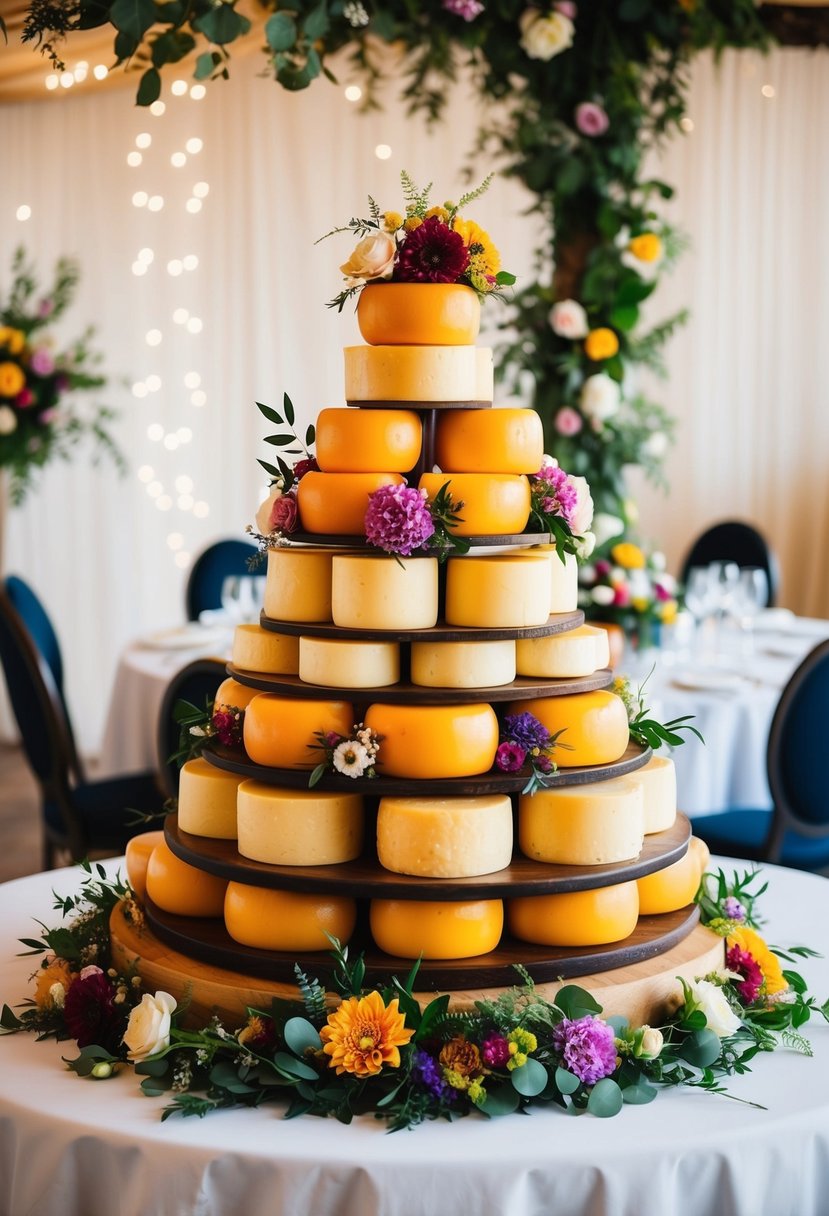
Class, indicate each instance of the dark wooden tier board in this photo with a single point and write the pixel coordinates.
(208, 941)
(558, 622)
(634, 757)
(501, 540)
(420, 405)
(365, 877)
(520, 689)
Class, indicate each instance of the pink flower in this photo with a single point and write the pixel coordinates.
(554, 492)
(745, 965)
(621, 595)
(568, 319)
(568, 421)
(509, 757)
(661, 593)
(591, 119)
(24, 398)
(284, 514)
(495, 1051)
(566, 9)
(398, 519)
(468, 9)
(45, 308)
(432, 253)
(48, 417)
(602, 568)
(41, 362)
(587, 1046)
(305, 466)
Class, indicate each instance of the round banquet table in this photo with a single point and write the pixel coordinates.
(70, 1146)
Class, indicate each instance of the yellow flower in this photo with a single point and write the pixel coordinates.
(58, 971)
(639, 603)
(12, 379)
(629, 556)
(524, 1040)
(13, 339)
(647, 247)
(440, 212)
(392, 220)
(601, 344)
(751, 941)
(668, 611)
(476, 1091)
(412, 222)
(484, 258)
(363, 1034)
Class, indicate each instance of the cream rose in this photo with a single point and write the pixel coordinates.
(263, 515)
(568, 319)
(148, 1030)
(8, 420)
(583, 514)
(711, 1001)
(600, 395)
(652, 1043)
(372, 259)
(545, 37)
(603, 596)
(607, 526)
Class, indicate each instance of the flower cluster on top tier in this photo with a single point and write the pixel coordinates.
(422, 244)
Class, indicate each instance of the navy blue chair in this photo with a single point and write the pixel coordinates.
(734, 541)
(78, 816)
(197, 683)
(795, 832)
(210, 569)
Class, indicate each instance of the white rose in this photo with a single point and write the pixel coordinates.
(548, 462)
(656, 445)
(652, 1043)
(148, 1030)
(600, 396)
(711, 1001)
(606, 527)
(373, 258)
(8, 420)
(569, 320)
(545, 37)
(667, 582)
(586, 546)
(263, 515)
(583, 513)
(658, 561)
(603, 596)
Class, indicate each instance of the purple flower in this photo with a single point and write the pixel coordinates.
(733, 909)
(591, 119)
(427, 1071)
(41, 362)
(495, 1051)
(587, 1046)
(45, 308)
(555, 493)
(509, 757)
(398, 519)
(526, 730)
(468, 9)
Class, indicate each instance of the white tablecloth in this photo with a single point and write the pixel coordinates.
(71, 1147)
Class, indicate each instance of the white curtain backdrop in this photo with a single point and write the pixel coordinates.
(109, 556)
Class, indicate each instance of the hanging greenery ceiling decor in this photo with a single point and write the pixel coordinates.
(585, 92)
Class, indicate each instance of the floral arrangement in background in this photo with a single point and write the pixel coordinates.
(376, 1050)
(422, 244)
(39, 418)
(630, 588)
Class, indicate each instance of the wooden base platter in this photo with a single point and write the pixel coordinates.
(365, 877)
(559, 622)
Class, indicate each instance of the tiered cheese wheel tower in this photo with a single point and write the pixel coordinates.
(440, 857)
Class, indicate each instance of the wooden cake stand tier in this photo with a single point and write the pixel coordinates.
(560, 622)
(635, 757)
(419, 405)
(500, 540)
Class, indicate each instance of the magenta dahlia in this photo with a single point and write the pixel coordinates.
(432, 253)
(398, 519)
(744, 964)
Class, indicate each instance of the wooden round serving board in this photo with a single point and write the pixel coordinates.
(499, 540)
(365, 877)
(420, 405)
(559, 622)
(520, 689)
(635, 757)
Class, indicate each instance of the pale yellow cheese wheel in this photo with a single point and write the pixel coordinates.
(576, 918)
(583, 825)
(504, 592)
(445, 837)
(344, 664)
(434, 741)
(489, 441)
(207, 800)
(137, 856)
(452, 929)
(493, 503)
(463, 664)
(418, 373)
(594, 725)
(281, 732)
(562, 655)
(258, 649)
(658, 780)
(298, 827)
(564, 580)
(175, 886)
(372, 591)
(285, 920)
(368, 441)
(298, 586)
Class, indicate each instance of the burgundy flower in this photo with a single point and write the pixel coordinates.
(24, 399)
(745, 964)
(495, 1051)
(603, 568)
(284, 514)
(432, 253)
(228, 727)
(509, 757)
(91, 1015)
(302, 467)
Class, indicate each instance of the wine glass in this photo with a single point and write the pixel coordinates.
(231, 596)
(698, 593)
(750, 597)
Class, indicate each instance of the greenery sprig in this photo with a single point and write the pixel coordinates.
(645, 729)
(287, 440)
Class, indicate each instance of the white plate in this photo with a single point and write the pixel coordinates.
(707, 681)
(785, 647)
(192, 636)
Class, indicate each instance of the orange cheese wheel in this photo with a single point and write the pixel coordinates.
(174, 886)
(418, 314)
(576, 918)
(280, 732)
(336, 503)
(413, 928)
(232, 695)
(493, 503)
(422, 741)
(368, 441)
(284, 920)
(676, 885)
(489, 441)
(594, 725)
(137, 857)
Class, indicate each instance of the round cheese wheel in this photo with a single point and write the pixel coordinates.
(284, 920)
(463, 664)
(674, 887)
(562, 655)
(298, 586)
(414, 928)
(422, 741)
(583, 825)
(658, 781)
(281, 733)
(564, 580)
(298, 827)
(489, 441)
(258, 649)
(174, 886)
(371, 591)
(445, 837)
(418, 373)
(232, 695)
(336, 503)
(207, 800)
(576, 918)
(594, 725)
(504, 592)
(418, 314)
(368, 441)
(337, 664)
(493, 503)
(136, 859)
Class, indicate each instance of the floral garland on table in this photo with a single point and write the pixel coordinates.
(378, 1051)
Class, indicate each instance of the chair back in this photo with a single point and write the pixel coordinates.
(210, 569)
(738, 542)
(196, 683)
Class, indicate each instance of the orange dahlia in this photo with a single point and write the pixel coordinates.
(363, 1034)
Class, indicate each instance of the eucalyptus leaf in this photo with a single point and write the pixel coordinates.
(566, 1081)
(301, 1036)
(149, 88)
(503, 1100)
(531, 1079)
(605, 1099)
(575, 1002)
(639, 1094)
(701, 1048)
(133, 17)
(280, 32)
(293, 1067)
